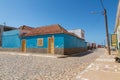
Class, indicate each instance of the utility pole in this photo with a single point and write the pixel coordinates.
(106, 24)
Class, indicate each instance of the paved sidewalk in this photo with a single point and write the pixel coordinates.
(104, 68)
(37, 55)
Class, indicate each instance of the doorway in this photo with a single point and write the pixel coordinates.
(24, 46)
(51, 45)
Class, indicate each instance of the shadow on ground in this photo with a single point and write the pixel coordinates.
(78, 54)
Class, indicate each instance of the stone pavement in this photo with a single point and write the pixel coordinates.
(21, 66)
(103, 68)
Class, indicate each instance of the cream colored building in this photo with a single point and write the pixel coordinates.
(117, 25)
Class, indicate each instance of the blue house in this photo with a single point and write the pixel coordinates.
(52, 39)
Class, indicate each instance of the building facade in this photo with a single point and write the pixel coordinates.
(4, 28)
(79, 32)
(117, 27)
(52, 39)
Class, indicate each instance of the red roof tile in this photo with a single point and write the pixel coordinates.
(51, 29)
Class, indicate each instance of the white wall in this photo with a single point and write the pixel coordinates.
(79, 32)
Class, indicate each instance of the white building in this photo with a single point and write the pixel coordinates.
(79, 32)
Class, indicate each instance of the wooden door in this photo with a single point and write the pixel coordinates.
(23, 45)
(51, 45)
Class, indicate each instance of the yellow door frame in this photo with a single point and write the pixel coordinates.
(48, 49)
(23, 48)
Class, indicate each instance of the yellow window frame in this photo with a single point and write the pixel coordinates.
(40, 42)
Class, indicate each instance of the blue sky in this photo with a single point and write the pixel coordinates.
(71, 14)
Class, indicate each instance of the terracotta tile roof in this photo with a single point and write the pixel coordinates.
(51, 29)
(24, 27)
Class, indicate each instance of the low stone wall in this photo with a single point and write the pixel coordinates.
(68, 51)
(36, 50)
(44, 50)
(61, 51)
(33, 50)
(10, 49)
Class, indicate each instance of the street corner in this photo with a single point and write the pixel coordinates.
(101, 69)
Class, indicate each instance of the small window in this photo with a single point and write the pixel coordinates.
(40, 42)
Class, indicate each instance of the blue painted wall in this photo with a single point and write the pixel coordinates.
(31, 41)
(59, 40)
(11, 39)
(73, 42)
